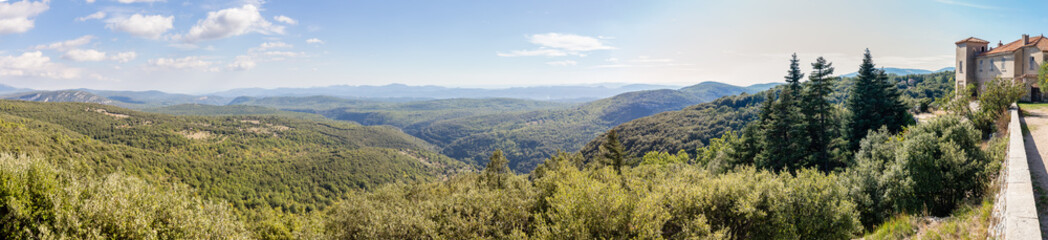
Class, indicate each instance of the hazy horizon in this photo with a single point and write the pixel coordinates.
(209, 46)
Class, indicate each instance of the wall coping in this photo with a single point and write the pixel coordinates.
(1020, 211)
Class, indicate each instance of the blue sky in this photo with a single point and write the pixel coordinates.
(205, 46)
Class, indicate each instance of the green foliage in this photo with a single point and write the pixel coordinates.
(40, 201)
(1042, 75)
(931, 168)
(252, 162)
(460, 208)
(688, 129)
(612, 153)
(662, 158)
(942, 164)
(818, 112)
(672, 201)
(496, 170)
(873, 102)
(784, 137)
(997, 96)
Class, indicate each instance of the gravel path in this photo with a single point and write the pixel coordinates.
(1036, 140)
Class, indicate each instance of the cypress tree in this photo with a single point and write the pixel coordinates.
(816, 109)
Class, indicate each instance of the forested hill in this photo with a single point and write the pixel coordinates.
(529, 137)
(692, 127)
(289, 163)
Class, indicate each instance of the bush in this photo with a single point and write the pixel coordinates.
(41, 201)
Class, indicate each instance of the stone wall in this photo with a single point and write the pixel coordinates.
(1015, 211)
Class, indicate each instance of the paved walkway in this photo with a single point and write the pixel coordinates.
(1036, 120)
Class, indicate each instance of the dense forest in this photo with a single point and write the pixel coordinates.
(291, 164)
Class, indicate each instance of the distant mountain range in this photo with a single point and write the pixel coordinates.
(576, 93)
(386, 93)
(904, 71)
(60, 96)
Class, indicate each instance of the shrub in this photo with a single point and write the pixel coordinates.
(41, 201)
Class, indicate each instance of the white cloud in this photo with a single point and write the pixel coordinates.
(90, 1)
(123, 57)
(564, 63)
(314, 41)
(231, 22)
(137, 1)
(35, 64)
(568, 42)
(66, 45)
(530, 53)
(242, 63)
(191, 62)
(18, 17)
(285, 19)
(559, 45)
(91, 55)
(96, 15)
(283, 54)
(268, 45)
(88, 55)
(148, 26)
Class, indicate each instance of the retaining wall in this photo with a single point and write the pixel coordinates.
(1015, 208)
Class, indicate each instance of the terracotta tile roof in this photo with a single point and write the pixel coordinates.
(1039, 41)
(972, 39)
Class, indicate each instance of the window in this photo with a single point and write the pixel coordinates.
(1004, 65)
(991, 65)
(980, 65)
(1033, 63)
(960, 66)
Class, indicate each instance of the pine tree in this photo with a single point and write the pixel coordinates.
(817, 110)
(873, 102)
(613, 152)
(496, 170)
(784, 135)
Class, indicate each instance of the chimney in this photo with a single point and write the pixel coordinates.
(1026, 39)
(999, 44)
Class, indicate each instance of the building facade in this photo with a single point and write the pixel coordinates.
(1020, 60)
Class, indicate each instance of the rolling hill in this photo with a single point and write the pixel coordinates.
(293, 164)
(527, 131)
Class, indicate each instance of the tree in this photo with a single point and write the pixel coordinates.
(496, 170)
(785, 139)
(613, 152)
(817, 110)
(1042, 75)
(873, 102)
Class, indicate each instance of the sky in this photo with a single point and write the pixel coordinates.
(208, 46)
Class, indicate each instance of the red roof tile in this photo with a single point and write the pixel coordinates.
(1039, 41)
(972, 39)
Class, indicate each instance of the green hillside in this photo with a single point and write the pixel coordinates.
(251, 161)
(692, 127)
(528, 131)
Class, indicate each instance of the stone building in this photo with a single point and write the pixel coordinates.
(1020, 60)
